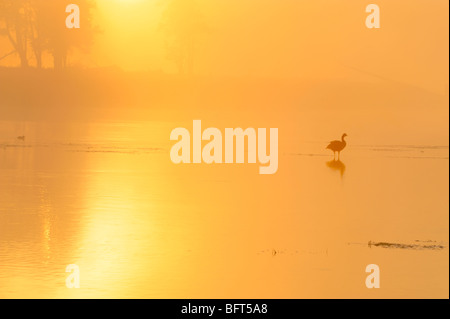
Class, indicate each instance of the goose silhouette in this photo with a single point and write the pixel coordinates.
(337, 146)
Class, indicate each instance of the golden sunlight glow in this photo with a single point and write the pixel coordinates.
(86, 175)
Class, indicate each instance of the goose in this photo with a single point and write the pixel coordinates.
(337, 146)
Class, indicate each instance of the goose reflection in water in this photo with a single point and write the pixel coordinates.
(337, 166)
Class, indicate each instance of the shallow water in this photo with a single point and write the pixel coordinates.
(106, 197)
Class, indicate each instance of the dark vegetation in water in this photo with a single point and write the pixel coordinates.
(418, 245)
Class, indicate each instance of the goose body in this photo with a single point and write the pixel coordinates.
(337, 146)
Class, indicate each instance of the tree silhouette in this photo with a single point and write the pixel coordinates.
(15, 22)
(60, 40)
(37, 38)
(183, 25)
(39, 26)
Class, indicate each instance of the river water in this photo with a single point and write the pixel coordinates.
(106, 197)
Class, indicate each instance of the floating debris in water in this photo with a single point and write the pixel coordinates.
(407, 246)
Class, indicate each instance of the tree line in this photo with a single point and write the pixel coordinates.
(36, 27)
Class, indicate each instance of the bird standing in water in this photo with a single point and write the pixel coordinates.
(337, 146)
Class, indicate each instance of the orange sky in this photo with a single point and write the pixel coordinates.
(289, 38)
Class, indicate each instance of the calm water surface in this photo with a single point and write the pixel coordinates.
(105, 196)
